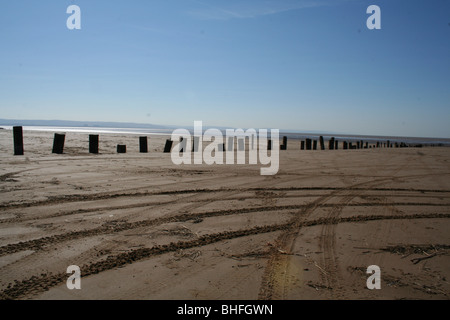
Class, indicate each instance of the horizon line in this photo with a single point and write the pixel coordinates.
(137, 125)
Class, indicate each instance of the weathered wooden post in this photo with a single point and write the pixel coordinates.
(322, 143)
(168, 146)
(331, 143)
(93, 143)
(182, 144)
(284, 145)
(308, 144)
(269, 144)
(344, 145)
(195, 144)
(314, 144)
(302, 145)
(18, 141)
(121, 148)
(336, 145)
(143, 145)
(58, 143)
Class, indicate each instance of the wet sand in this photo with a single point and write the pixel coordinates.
(140, 227)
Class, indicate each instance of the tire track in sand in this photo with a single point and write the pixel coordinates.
(41, 283)
(275, 282)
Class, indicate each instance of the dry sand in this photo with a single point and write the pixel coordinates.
(141, 227)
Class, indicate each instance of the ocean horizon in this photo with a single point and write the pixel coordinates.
(290, 134)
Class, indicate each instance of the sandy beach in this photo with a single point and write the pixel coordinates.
(140, 227)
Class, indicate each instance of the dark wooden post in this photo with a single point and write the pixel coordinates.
(269, 144)
(182, 144)
(331, 144)
(322, 143)
(121, 148)
(18, 141)
(58, 143)
(302, 145)
(284, 145)
(195, 144)
(344, 145)
(314, 144)
(168, 146)
(308, 144)
(93, 143)
(143, 145)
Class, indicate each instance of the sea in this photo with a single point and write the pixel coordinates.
(296, 135)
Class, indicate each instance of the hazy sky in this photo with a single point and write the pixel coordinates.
(285, 64)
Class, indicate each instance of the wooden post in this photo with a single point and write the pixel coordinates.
(314, 144)
(284, 145)
(143, 145)
(269, 144)
(121, 148)
(308, 144)
(168, 146)
(302, 145)
(195, 144)
(344, 145)
(388, 144)
(367, 145)
(322, 143)
(18, 141)
(58, 143)
(331, 143)
(336, 144)
(182, 144)
(93, 143)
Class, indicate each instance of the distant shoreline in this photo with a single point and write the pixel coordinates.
(133, 128)
(289, 135)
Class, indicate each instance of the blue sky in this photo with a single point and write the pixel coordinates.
(286, 64)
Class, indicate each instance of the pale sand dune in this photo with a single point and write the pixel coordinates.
(141, 227)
